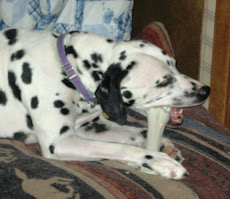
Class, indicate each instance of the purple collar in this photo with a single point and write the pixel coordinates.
(71, 74)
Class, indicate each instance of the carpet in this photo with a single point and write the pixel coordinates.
(25, 174)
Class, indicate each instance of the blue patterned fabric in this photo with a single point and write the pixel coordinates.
(111, 18)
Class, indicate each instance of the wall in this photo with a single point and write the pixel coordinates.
(183, 21)
(207, 42)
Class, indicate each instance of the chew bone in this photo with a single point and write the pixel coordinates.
(157, 120)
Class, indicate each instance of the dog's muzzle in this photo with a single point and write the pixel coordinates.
(176, 115)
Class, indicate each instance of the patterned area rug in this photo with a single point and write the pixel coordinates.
(25, 174)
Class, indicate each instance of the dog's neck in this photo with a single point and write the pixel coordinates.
(89, 69)
(70, 71)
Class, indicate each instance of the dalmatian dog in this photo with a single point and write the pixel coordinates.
(39, 102)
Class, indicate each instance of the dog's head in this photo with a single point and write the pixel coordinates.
(141, 76)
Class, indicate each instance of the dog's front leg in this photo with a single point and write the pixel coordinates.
(71, 147)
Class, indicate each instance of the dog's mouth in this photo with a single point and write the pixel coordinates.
(176, 117)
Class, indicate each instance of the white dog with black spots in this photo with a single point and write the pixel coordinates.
(38, 102)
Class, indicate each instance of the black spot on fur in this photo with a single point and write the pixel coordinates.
(11, 36)
(64, 129)
(86, 64)
(142, 45)
(55, 36)
(194, 88)
(109, 40)
(95, 65)
(26, 73)
(177, 102)
(97, 75)
(3, 99)
(84, 111)
(74, 31)
(149, 157)
(14, 87)
(96, 58)
(29, 122)
(59, 104)
(150, 101)
(158, 98)
(147, 166)
(34, 102)
(130, 66)
(64, 111)
(70, 51)
(98, 128)
(17, 55)
(20, 136)
(144, 133)
(132, 138)
(163, 52)
(89, 128)
(168, 62)
(166, 76)
(68, 83)
(130, 103)
(51, 148)
(123, 55)
(85, 124)
(127, 94)
(95, 119)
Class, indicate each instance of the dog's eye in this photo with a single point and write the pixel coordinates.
(166, 82)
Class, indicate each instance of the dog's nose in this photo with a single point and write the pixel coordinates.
(203, 93)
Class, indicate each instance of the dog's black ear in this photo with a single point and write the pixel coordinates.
(109, 96)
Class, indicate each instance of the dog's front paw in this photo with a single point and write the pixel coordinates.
(164, 166)
(169, 148)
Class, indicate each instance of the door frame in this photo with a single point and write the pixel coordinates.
(219, 103)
